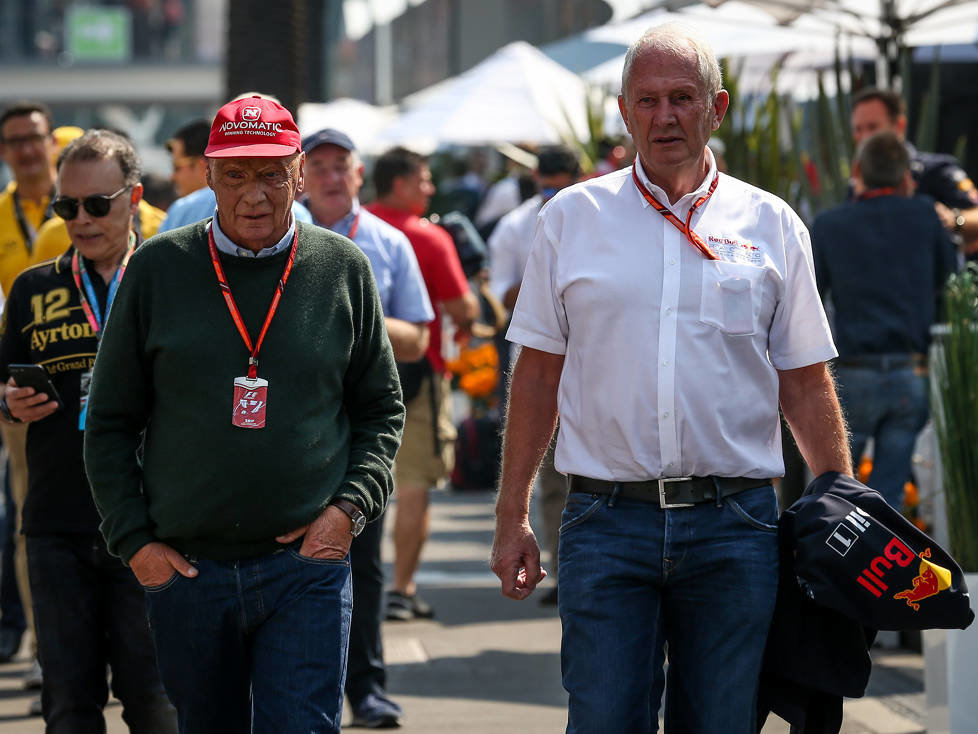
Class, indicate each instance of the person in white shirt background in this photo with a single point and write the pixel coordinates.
(509, 247)
(666, 311)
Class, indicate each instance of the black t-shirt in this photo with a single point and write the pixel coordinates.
(43, 323)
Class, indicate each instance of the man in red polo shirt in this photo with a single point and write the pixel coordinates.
(403, 182)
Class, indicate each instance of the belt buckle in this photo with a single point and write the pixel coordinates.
(662, 494)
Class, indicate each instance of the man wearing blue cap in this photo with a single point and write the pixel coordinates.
(334, 175)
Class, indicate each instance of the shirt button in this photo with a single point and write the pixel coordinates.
(665, 363)
(666, 415)
(672, 261)
(669, 309)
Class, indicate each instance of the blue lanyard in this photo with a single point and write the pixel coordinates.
(88, 298)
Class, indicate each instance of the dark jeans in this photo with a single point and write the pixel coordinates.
(89, 613)
(11, 610)
(891, 407)
(365, 670)
(633, 578)
(255, 645)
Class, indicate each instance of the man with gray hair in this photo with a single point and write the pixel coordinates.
(666, 311)
(89, 609)
(883, 258)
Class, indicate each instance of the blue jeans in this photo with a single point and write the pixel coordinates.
(255, 645)
(89, 612)
(891, 407)
(634, 578)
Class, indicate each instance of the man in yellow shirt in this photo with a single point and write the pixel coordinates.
(27, 147)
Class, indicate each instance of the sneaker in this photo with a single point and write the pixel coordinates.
(376, 711)
(33, 678)
(403, 608)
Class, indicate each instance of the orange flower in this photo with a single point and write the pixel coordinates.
(911, 498)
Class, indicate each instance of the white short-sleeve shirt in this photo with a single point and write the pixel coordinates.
(670, 359)
(509, 246)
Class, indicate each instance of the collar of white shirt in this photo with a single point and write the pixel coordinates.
(685, 201)
(225, 245)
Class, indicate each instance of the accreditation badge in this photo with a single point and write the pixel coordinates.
(250, 401)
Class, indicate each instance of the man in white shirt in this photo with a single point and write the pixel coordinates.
(665, 311)
(509, 248)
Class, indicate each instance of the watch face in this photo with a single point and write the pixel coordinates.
(359, 523)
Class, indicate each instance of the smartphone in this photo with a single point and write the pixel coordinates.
(34, 375)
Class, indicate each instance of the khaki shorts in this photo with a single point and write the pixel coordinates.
(420, 462)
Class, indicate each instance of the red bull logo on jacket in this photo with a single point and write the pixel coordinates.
(895, 552)
(930, 580)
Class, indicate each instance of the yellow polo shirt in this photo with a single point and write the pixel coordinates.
(14, 252)
(53, 238)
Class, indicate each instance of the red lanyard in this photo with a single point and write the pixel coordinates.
(353, 227)
(694, 239)
(873, 193)
(233, 307)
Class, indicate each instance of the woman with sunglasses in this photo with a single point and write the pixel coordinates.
(89, 608)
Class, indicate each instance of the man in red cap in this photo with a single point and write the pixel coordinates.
(244, 415)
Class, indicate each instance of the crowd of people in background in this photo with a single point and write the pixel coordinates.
(80, 576)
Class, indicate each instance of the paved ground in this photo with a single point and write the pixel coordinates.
(488, 664)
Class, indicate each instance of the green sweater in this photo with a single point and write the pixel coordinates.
(162, 457)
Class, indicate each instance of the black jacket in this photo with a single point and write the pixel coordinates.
(850, 564)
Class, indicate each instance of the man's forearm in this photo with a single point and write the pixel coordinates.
(530, 422)
(811, 407)
(408, 340)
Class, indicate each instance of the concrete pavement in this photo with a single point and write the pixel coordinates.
(488, 664)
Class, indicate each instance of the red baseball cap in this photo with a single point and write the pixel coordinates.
(253, 127)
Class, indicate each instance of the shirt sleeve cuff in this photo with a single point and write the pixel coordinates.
(533, 340)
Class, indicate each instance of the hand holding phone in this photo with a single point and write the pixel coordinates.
(35, 403)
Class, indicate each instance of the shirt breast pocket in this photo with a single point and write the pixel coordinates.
(731, 296)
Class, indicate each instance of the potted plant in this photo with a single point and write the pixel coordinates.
(954, 408)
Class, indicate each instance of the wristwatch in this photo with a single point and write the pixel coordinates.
(958, 219)
(355, 513)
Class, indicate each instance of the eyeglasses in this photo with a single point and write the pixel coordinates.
(24, 141)
(98, 206)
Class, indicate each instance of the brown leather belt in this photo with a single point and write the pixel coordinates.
(668, 493)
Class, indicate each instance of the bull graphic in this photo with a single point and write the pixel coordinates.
(930, 580)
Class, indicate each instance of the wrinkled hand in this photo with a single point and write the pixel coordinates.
(328, 536)
(515, 559)
(26, 405)
(156, 563)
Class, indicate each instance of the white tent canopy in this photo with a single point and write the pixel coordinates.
(887, 24)
(517, 94)
(741, 32)
(360, 120)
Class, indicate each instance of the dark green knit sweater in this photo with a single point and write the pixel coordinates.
(167, 363)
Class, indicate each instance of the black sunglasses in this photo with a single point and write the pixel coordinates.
(98, 206)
